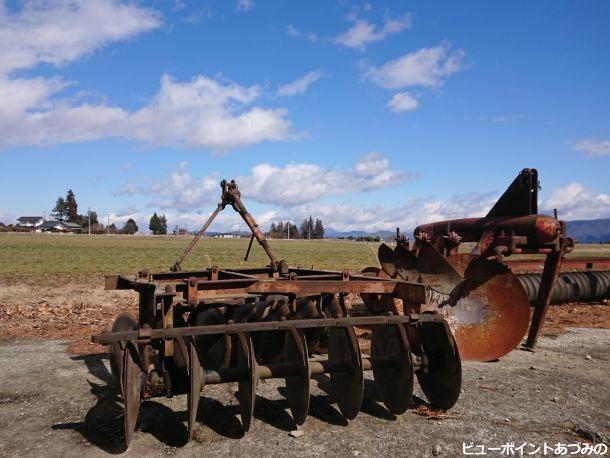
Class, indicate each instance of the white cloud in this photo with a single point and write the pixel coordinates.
(60, 31)
(296, 33)
(181, 191)
(300, 85)
(288, 186)
(402, 101)
(201, 113)
(363, 32)
(574, 201)
(227, 220)
(428, 67)
(244, 5)
(593, 147)
(414, 211)
(204, 113)
(296, 184)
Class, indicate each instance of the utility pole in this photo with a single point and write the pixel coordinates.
(108, 224)
(89, 217)
(288, 229)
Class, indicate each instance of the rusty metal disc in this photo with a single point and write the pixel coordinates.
(297, 386)
(246, 392)
(387, 260)
(268, 345)
(131, 388)
(215, 349)
(348, 384)
(378, 303)
(124, 322)
(493, 316)
(195, 387)
(441, 377)
(394, 384)
(307, 310)
(435, 271)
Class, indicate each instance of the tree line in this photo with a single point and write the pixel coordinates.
(309, 229)
(66, 210)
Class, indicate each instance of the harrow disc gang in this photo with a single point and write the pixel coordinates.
(391, 360)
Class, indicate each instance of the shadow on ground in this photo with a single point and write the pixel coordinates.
(103, 423)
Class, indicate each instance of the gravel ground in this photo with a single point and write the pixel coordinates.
(55, 404)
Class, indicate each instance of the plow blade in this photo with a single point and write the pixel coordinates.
(483, 302)
(492, 316)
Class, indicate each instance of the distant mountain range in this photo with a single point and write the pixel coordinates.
(333, 234)
(590, 231)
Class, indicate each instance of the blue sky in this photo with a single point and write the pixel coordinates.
(367, 115)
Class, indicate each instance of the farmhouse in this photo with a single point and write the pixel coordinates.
(30, 221)
(59, 226)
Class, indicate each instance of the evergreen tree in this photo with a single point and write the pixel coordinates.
(90, 217)
(60, 211)
(318, 230)
(307, 228)
(71, 207)
(155, 224)
(130, 227)
(163, 224)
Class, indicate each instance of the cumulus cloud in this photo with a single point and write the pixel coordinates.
(201, 113)
(427, 67)
(362, 32)
(60, 31)
(592, 147)
(300, 85)
(575, 201)
(288, 186)
(402, 101)
(226, 221)
(301, 183)
(206, 113)
(181, 191)
(296, 33)
(407, 215)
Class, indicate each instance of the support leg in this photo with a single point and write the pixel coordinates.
(552, 265)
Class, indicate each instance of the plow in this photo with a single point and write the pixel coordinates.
(426, 307)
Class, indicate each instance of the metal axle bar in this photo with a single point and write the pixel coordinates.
(170, 333)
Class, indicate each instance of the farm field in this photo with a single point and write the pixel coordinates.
(35, 258)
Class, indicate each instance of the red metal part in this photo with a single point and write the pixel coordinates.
(493, 318)
(513, 226)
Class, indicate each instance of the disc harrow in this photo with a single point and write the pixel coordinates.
(214, 326)
(394, 361)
